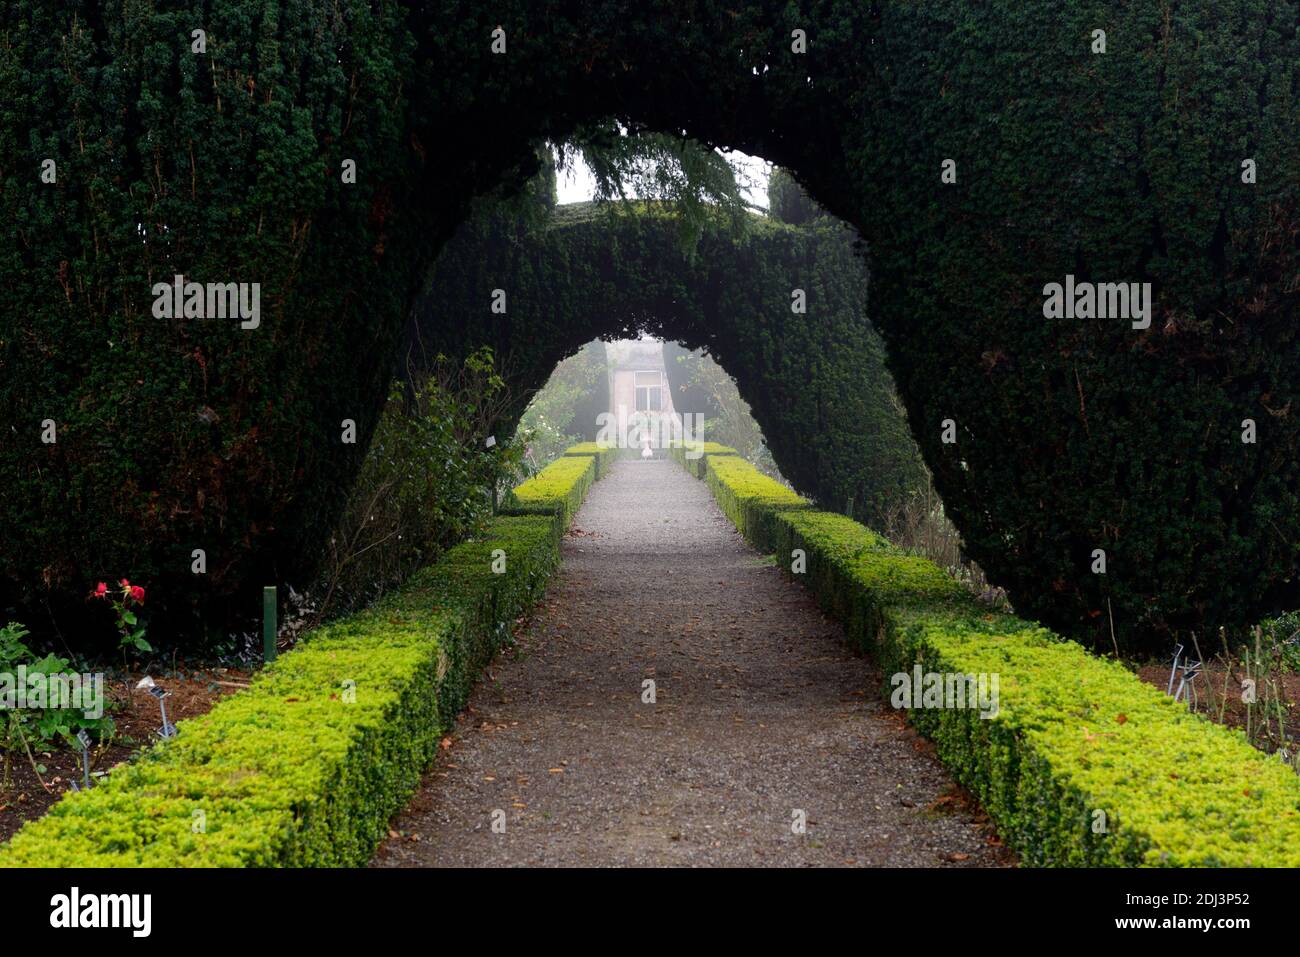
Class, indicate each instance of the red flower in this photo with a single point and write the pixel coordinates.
(124, 583)
(100, 590)
(137, 593)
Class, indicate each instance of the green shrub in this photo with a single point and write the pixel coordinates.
(559, 488)
(27, 731)
(1283, 638)
(748, 497)
(1074, 734)
(605, 455)
(180, 434)
(575, 275)
(1072, 434)
(291, 771)
(425, 484)
(681, 454)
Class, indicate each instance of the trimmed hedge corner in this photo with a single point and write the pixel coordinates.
(557, 489)
(605, 455)
(748, 497)
(306, 767)
(681, 454)
(1074, 734)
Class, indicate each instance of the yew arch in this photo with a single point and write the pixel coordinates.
(1119, 167)
(814, 375)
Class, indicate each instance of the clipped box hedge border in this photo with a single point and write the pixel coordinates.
(1075, 734)
(557, 489)
(681, 454)
(306, 766)
(749, 498)
(605, 455)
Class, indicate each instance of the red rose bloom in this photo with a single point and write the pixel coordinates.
(137, 593)
(124, 583)
(101, 590)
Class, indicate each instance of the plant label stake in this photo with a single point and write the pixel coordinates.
(270, 625)
(168, 730)
(1190, 669)
(83, 739)
(1178, 650)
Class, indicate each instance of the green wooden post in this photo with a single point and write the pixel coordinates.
(270, 622)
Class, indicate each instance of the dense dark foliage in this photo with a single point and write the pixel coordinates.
(224, 166)
(787, 202)
(815, 380)
(426, 482)
(175, 435)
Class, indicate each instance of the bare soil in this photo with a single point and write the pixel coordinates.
(761, 717)
(136, 718)
(1219, 698)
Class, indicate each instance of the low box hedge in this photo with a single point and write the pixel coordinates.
(748, 497)
(605, 455)
(1074, 734)
(306, 766)
(693, 457)
(558, 488)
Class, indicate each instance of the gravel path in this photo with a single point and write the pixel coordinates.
(760, 712)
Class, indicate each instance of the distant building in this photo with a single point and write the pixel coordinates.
(639, 394)
(637, 380)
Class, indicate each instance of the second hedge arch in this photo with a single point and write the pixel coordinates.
(815, 379)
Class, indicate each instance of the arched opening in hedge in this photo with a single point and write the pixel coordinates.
(780, 307)
(983, 154)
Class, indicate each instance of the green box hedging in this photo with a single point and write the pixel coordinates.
(558, 488)
(292, 772)
(748, 497)
(605, 455)
(678, 449)
(681, 454)
(1075, 734)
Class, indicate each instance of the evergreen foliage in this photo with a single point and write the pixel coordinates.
(1073, 435)
(306, 767)
(815, 381)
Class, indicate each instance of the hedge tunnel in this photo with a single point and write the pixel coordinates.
(814, 378)
(131, 153)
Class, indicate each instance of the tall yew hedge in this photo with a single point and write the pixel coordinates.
(815, 379)
(1072, 435)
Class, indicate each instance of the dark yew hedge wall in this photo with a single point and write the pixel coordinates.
(175, 435)
(224, 167)
(1122, 166)
(815, 381)
(1084, 434)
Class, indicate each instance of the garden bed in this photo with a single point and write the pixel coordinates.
(135, 717)
(557, 489)
(605, 455)
(1219, 699)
